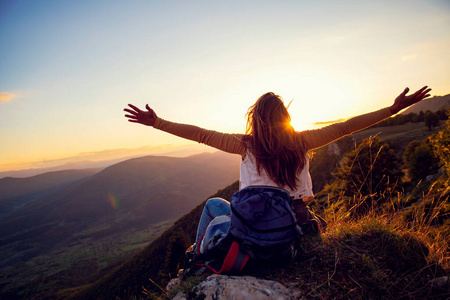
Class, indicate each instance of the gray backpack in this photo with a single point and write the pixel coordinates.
(261, 233)
(263, 221)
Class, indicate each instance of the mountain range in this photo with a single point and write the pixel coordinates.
(47, 212)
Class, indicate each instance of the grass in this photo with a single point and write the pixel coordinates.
(388, 252)
(372, 257)
(350, 267)
(375, 256)
(186, 288)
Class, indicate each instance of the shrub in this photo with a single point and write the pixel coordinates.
(369, 174)
(431, 120)
(441, 146)
(420, 160)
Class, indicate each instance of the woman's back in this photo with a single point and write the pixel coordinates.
(249, 176)
(276, 149)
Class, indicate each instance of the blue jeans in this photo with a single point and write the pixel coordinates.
(214, 207)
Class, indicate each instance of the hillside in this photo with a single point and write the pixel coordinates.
(111, 214)
(156, 261)
(432, 104)
(368, 258)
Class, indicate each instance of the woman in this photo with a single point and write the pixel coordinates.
(272, 152)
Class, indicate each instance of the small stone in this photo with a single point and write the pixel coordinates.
(440, 282)
(173, 284)
(179, 296)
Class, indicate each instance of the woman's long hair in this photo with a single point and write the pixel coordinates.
(273, 142)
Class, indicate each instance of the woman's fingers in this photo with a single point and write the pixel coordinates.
(134, 107)
(135, 111)
(131, 111)
(425, 93)
(422, 93)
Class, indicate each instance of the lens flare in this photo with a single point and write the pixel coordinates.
(113, 201)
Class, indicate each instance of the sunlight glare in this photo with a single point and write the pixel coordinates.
(325, 100)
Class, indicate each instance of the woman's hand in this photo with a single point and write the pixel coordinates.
(139, 116)
(403, 101)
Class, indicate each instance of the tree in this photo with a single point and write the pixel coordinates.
(441, 146)
(420, 160)
(412, 117)
(372, 167)
(421, 116)
(367, 177)
(442, 114)
(431, 120)
(399, 120)
(409, 150)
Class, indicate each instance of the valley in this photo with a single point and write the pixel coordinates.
(66, 231)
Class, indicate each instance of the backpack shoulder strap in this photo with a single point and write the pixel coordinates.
(234, 262)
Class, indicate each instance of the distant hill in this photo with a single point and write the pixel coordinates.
(155, 261)
(82, 165)
(432, 104)
(124, 198)
(106, 158)
(16, 192)
(143, 190)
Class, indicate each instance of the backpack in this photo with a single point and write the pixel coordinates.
(310, 223)
(260, 233)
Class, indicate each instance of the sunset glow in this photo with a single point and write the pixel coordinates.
(68, 68)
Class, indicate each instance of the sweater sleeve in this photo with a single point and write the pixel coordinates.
(323, 136)
(231, 143)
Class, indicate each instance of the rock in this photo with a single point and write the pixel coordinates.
(333, 149)
(440, 282)
(242, 288)
(180, 296)
(173, 284)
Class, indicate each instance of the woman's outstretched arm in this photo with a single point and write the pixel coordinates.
(231, 143)
(323, 136)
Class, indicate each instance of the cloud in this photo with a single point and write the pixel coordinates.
(409, 57)
(5, 97)
(328, 122)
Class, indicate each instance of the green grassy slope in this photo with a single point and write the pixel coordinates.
(156, 261)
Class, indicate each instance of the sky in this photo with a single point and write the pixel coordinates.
(69, 68)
